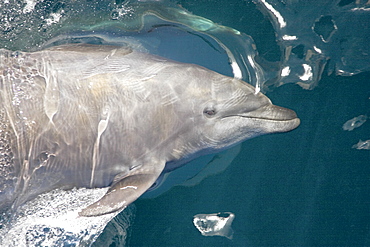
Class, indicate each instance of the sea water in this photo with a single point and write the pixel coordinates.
(308, 187)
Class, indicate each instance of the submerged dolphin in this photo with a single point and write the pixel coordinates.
(97, 116)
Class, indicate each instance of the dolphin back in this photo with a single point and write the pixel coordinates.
(67, 116)
(95, 116)
(40, 136)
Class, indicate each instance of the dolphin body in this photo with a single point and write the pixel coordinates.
(96, 116)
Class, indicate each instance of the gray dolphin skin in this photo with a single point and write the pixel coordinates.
(91, 116)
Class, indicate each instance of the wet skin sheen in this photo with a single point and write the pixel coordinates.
(97, 116)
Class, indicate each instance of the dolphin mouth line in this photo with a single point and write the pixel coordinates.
(283, 124)
(282, 118)
(269, 119)
(272, 113)
(265, 118)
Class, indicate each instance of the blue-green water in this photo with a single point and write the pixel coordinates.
(308, 187)
(303, 188)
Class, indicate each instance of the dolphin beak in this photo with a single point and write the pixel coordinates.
(285, 118)
(272, 112)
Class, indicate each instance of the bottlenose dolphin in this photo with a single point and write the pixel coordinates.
(90, 116)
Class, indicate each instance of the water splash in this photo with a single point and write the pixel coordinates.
(362, 145)
(218, 224)
(354, 122)
(52, 219)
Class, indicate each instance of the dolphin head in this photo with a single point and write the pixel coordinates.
(230, 111)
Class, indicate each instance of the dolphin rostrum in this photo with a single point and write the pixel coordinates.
(90, 116)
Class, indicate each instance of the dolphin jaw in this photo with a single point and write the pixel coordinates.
(280, 119)
(271, 112)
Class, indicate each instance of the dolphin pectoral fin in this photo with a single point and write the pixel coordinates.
(123, 192)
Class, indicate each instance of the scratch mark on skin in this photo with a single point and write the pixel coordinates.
(102, 126)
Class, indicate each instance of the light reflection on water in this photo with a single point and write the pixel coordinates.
(307, 42)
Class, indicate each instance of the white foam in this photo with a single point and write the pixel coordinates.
(218, 224)
(52, 219)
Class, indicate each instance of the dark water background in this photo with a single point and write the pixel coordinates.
(303, 188)
(308, 187)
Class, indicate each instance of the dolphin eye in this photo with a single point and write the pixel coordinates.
(209, 112)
